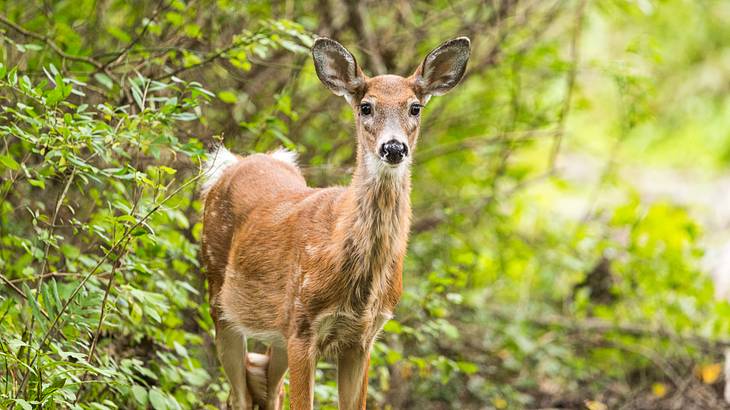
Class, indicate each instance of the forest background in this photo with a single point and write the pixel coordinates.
(570, 197)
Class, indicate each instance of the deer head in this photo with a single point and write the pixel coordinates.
(388, 108)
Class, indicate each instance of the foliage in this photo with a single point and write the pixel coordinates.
(534, 278)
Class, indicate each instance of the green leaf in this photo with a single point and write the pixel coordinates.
(157, 400)
(467, 367)
(392, 326)
(140, 394)
(176, 19)
(228, 97)
(137, 94)
(23, 404)
(8, 162)
(13, 76)
(393, 357)
(37, 183)
(167, 170)
(450, 330)
(35, 308)
(104, 80)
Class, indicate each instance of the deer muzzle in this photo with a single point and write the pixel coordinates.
(393, 152)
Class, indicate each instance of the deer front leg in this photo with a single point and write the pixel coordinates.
(352, 378)
(231, 347)
(301, 374)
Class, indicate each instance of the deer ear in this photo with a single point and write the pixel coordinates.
(337, 69)
(443, 68)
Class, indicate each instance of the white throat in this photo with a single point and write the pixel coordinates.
(377, 169)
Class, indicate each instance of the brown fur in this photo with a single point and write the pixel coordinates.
(316, 271)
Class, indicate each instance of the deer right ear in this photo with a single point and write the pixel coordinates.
(337, 69)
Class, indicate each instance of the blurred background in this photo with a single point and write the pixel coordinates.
(570, 244)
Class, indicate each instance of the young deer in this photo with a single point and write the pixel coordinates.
(317, 272)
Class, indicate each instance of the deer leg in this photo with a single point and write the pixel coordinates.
(256, 378)
(301, 374)
(264, 377)
(352, 378)
(231, 347)
(278, 364)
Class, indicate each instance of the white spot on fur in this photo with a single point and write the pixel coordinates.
(219, 160)
(285, 155)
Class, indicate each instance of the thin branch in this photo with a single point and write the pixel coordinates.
(20, 292)
(356, 10)
(570, 83)
(59, 203)
(51, 44)
(450, 147)
(208, 60)
(114, 61)
(432, 221)
(12, 285)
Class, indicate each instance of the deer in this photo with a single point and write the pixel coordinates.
(315, 273)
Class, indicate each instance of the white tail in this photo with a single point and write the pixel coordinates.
(219, 160)
(317, 272)
(283, 154)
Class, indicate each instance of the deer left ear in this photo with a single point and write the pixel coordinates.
(443, 68)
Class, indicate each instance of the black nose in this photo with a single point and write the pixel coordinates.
(393, 151)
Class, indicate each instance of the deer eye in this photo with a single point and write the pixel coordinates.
(415, 109)
(366, 108)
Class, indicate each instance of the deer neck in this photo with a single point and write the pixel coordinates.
(376, 220)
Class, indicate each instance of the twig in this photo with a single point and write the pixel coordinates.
(136, 40)
(20, 292)
(50, 275)
(570, 83)
(12, 285)
(97, 333)
(208, 60)
(430, 222)
(51, 44)
(355, 13)
(447, 148)
(59, 202)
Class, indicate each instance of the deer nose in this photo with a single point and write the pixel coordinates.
(393, 151)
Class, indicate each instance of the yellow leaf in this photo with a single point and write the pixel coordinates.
(595, 405)
(710, 372)
(659, 390)
(499, 403)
